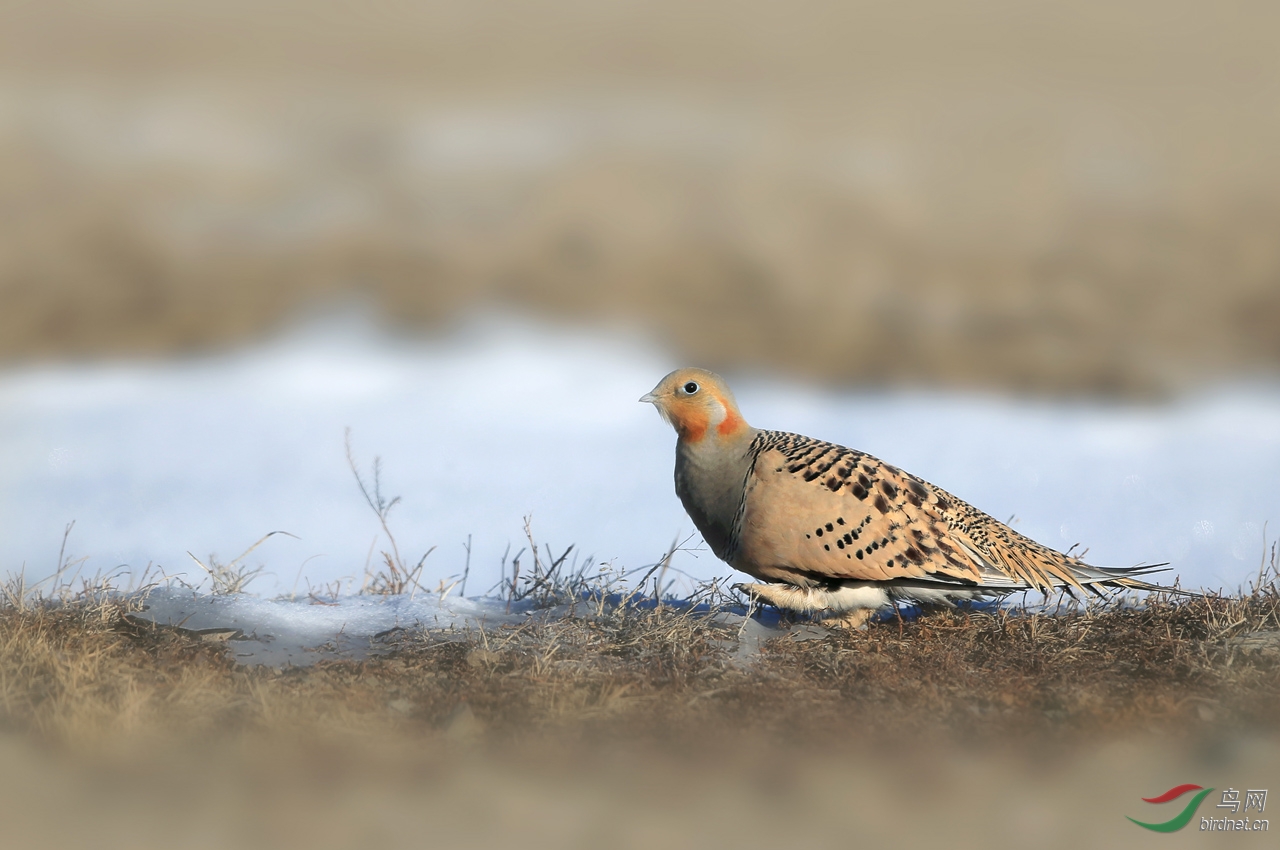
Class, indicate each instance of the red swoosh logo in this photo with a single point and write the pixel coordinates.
(1172, 794)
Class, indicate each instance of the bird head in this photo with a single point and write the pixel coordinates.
(698, 404)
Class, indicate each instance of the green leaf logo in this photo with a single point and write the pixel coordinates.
(1184, 817)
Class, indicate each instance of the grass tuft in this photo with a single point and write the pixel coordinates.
(396, 577)
(235, 576)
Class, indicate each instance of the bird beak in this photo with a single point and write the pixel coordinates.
(650, 398)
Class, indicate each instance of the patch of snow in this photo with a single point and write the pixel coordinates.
(299, 632)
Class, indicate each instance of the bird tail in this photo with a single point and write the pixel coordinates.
(1096, 578)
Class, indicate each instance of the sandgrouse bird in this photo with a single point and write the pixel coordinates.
(837, 532)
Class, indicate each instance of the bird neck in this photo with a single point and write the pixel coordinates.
(719, 424)
(706, 438)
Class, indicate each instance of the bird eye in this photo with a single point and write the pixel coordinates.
(691, 387)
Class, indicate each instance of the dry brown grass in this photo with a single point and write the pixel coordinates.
(89, 671)
(626, 726)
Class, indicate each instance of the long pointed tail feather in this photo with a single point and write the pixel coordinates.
(1126, 577)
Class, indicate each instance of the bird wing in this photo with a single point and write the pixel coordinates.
(815, 512)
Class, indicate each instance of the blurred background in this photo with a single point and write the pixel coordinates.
(1063, 200)
(1076, 198)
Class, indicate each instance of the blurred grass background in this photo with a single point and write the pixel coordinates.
(1030, 196)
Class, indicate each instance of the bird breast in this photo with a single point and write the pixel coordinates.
(709, 482)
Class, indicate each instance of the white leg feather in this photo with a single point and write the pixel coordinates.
(850, 597)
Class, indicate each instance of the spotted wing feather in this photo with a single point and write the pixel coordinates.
(814, 512)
